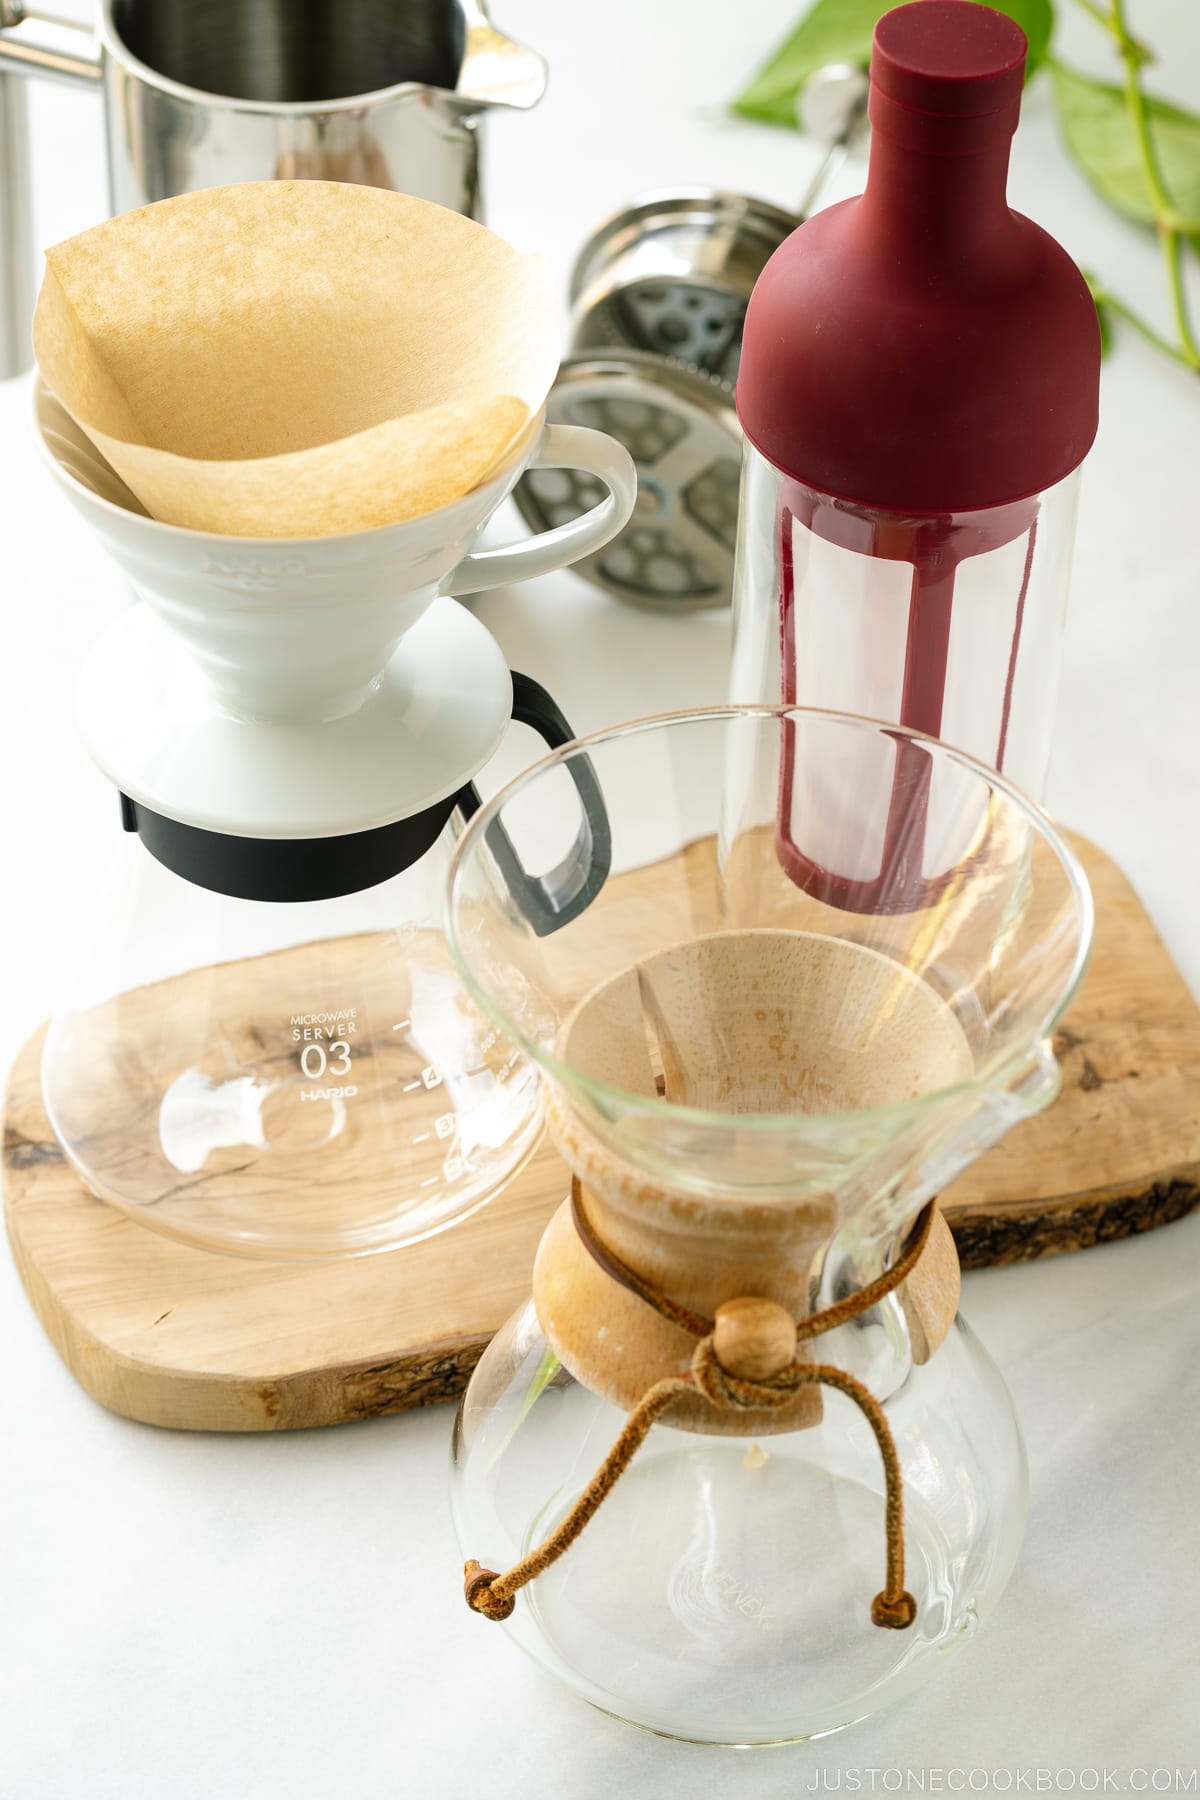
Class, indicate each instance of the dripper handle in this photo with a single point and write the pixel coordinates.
(559, 447)
(552, 900)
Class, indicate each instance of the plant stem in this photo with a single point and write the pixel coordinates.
(1165, 211)
(1173, 245)
(1136, 102)
(1140, 50)
(1112, 304)
(1100, 13)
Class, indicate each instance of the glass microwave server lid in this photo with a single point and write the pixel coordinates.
(333, 1094)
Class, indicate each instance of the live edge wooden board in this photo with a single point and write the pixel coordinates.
(184, 1338)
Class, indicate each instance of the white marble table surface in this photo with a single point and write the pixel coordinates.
(257, 1617)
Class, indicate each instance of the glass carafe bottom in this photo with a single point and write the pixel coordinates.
(722, 1592)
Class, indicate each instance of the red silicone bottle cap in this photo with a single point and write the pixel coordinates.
(936, 58)
(924, 348)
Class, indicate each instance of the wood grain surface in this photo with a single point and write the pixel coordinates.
(186, 1338)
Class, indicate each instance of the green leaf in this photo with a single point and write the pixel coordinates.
(832, 31)
(543, 1375)
(839, 31)
(1036, 19)
(1099, 134)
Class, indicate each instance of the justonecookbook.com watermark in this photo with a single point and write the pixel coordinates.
(1015, 1780)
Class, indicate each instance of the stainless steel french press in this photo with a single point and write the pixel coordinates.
(253, 90)
(658, 297)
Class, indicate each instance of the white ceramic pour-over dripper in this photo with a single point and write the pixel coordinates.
(296, 630)
(265, 1050)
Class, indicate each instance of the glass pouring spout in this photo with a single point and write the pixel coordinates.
(496, 70)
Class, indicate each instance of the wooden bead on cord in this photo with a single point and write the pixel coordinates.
(754, 1339)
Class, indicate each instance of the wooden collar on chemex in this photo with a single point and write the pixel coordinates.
(745, 1357)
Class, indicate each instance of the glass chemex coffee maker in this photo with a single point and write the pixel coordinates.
(738, 1473)
(266, 1049)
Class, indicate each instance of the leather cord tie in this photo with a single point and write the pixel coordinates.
(893, 1607)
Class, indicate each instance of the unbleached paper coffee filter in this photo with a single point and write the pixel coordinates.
(296, 358)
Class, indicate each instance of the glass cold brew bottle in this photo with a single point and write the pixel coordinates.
(918, 388)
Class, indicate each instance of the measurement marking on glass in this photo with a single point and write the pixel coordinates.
(424, 1138)
(410, 1085)
(428, 1181)
(403, 1025)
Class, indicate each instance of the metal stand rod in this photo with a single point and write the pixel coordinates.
(19, 57)
(16, 231)
(23, 55)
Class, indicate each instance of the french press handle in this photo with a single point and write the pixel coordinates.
(550, 901)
